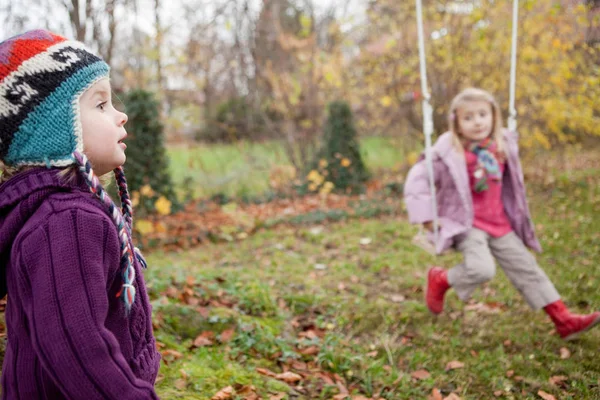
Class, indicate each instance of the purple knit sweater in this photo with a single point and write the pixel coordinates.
(68, 335)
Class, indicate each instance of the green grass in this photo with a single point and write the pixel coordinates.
(242, 169)
(367, 302)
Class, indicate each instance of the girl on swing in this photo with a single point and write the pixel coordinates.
(483, 212)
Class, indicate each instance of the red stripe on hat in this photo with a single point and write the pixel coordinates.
(24, 49)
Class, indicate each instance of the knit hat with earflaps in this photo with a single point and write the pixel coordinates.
(42, 77)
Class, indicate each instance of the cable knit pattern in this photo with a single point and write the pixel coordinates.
(68, 334)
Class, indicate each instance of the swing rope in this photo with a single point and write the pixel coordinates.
(512, 112)
(428, 109)
(427, 118)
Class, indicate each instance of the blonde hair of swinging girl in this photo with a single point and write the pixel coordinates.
(473, 95)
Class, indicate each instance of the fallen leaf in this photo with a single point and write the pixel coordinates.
(309, 351)
(510, 373)
(202, 341)
(435, 395)
(342, 388)
(489, 308)
(223, 394)
(266, 372)
(247, 392)
(326, 379)
(180, 384)
(203, 311)
(452, 396)
(454, 365)
(397, 298)
(372, 353)
(498, 393)
(277, 396)
(558, 380)
(299, 365)
(310, 334)
(360, 397)
(226, 335)
(546, 396)
(341, 396)
(288, 377)
(420, 374)
(564, 353)
(170, 353)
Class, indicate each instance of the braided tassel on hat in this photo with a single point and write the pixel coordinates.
(128, 272)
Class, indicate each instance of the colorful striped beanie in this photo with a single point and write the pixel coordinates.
(42, 76)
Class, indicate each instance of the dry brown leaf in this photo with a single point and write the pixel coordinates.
(247, 392)
(180, 384)
(171, 353)
(226, 335)
(498, 393)
(299, 365)
(288, 377)
(202, 341)
(309, 351)
(420, 374)
(266, 372)
(558, 380)
(564, 353)
(397, 298)
(435, 395)
(510, 373)
(203, 311)
(546, 396)
(223, 394)
(342, 388)
(372, 353)
(277, 396)
(326, 379)
(310, 334)
(452, 396)
(360, 397)
(172, 292)
(341, 396)
(454, 365)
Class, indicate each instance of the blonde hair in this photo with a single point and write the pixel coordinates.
(470, 95)
(69, 173)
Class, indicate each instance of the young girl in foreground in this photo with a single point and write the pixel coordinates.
(78, 315)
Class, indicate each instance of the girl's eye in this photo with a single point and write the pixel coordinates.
(101, 105)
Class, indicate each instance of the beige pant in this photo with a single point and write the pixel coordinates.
(479, 250)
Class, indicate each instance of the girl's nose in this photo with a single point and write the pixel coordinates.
(123, 119)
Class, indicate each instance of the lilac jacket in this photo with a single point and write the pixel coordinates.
(68, 335)
(454, 201)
